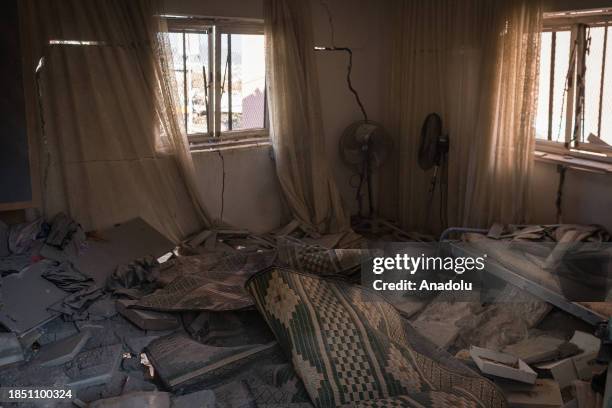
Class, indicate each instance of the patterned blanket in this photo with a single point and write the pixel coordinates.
(215, 281)
(351, 348)
(321, 261)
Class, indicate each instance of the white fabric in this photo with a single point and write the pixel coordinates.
(295, 117)
(115, 143)
(475, 63)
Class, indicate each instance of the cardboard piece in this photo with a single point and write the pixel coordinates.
(26, 298)
(544, 393)
(62, 351)
(502, 365)
(119, 245)
(147, 319)
(10, 349)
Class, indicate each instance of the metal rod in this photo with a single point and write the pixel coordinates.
(229, 81)
(186, 107)
(603, 74)
(551, 83)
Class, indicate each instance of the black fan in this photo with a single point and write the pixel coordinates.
(433, 152)
(434, 143)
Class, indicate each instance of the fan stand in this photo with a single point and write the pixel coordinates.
(438, 170)
(369, 222)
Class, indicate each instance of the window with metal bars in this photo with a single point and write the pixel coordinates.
(575, 83)
(220, 73)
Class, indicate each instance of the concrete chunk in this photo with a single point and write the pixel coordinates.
(62, 351)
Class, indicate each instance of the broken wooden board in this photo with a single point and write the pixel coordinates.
(26, 298)
(119, 245)
(147, 319)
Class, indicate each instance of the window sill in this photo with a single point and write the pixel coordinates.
(574, 162)
(221, 144)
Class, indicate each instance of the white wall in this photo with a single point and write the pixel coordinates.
(587, 197)
(252, 196)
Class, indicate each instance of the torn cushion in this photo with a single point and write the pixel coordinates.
(350, 347)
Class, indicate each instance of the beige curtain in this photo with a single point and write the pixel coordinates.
(474, 62)
(113, 147)
(295, 117)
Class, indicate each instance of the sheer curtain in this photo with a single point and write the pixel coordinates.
(112, 146)
(475, 63)
(295, 117)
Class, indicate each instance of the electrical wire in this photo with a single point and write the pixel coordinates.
(363, 173)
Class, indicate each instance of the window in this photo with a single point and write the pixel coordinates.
(220, 73)
(575, 85)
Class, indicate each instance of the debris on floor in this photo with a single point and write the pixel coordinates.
(126, 318)
(502, 365)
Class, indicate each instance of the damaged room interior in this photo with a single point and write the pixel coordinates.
(306, 203)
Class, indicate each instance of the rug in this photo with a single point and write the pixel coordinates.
(351, 348)
(318, 260)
